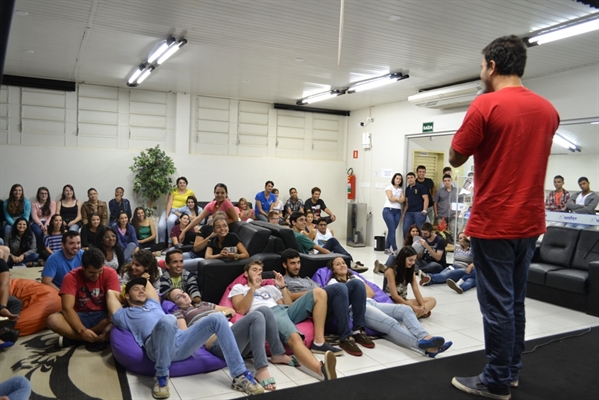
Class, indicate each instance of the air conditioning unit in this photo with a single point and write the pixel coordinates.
(447, 97)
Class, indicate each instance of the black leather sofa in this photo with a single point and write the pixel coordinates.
(565, 269)
(263, 244)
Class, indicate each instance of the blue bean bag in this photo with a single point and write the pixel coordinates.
(323, 275)
(128, 353)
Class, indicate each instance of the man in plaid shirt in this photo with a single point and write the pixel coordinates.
(558, 198)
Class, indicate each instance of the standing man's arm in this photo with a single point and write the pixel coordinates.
(456, 159)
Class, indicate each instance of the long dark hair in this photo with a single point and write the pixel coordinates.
(101, 238)
(51, 225)
(349, 275)
(145, 258)
(70, 187)
(46, 206)
(195, 204)
(409, 240)
(135, 221)
(14, 206)
(27, 237)
(403, 274)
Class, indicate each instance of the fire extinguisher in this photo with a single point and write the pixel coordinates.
(351, 184)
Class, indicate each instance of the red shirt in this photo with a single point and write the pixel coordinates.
(510, 133)
(90, 296)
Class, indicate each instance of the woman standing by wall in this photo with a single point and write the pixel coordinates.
(392, 211)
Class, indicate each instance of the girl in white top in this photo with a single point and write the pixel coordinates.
(392, 211)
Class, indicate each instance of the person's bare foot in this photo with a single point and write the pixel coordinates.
(263, 375)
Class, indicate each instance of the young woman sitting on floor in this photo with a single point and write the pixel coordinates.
(22, 244)
(176, 231)
(399, 275)
(90, 233)
(126, 238)
(53, 239)
(144, 229)
(143, 265)
(225, 245)
(16, 206)
(386, 317)
(41, 211)
(113, 254)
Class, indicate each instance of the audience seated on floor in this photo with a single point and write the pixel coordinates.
(63, 261)
(143, 265)
(144, 229)
(118, 205)
(126, 237)
(433, 259)
(21, 242)
(114, 257)
(225, 245)
(90, 233)
(69, 208)
(15, 206)
(42, 209)
(84, 317)
(249, 297)
(317, 206)
(52, 241)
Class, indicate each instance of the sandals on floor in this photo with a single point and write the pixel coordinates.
(269, 381)
(294, 362)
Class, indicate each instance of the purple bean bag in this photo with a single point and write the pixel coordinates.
(323, 275)
(128, 353)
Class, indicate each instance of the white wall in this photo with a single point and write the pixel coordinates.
(574, 94)
(64, 160)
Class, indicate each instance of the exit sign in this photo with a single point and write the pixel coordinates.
(427, 127)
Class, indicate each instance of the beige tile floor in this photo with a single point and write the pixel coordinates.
(456, 317)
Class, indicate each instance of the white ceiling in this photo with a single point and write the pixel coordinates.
(248, 49)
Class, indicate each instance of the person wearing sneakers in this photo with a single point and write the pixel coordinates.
(461, 271)
(386, 318)
(399, 275)
(504, 128)
(339, 299)
(83, 296)
(253, 295)
(250, 333)
(153, 330)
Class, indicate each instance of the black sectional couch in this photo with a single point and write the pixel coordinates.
(264, 242)
(565, 269)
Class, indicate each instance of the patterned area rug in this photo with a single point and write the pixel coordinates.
(64, 373)
(71, 373)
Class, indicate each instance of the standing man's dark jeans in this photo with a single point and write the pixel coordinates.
(501, 273)
(339, 297)
(334, 246)
(410, 219)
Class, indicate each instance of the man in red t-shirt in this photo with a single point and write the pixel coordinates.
(84, 314)
(505, 128)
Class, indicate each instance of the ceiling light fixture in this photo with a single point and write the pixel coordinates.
(377, 82)
(161, 52)
(319, 97)
(562, 31)
(565, 143)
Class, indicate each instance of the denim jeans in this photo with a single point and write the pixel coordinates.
(334, 246)
(339, 298)
(129, 251)
(431, 267)
(391, 216)
(502, 269)
(260, 217)
(168, 343)
(16, 388)
(469, 281)
(448, 273)
(30, 258)
(165, 225)
(386, 318)
(250, 333)
(38, 233)
(410, 219)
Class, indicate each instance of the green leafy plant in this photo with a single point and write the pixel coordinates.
(153, 170)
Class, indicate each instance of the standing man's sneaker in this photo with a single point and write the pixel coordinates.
(160, 389)
(424, 279)
(247, 384)
(514, 384)
(363, 339)
(454, 286)
(350, 347)
(473, 385)
(328, 366)
(322, 349)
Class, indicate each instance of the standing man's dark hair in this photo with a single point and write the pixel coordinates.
(509, 55)
(582, 179)
(559, 177)
(504, 233)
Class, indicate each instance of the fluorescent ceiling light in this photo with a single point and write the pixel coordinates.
(377, 82)
(136, 74)
(565, 143)
(319, 97)
(172, 50)
(161, 50)
(143, 76)
(566, 31)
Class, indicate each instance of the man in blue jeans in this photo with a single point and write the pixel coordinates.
(503, 127)
(339, 299)
(416, 207)
(164, 342)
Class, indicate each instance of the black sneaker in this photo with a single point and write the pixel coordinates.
(451, 283)
(328, 366)
(322, 349)
(66, 342)
(473, 385)
(96, 347)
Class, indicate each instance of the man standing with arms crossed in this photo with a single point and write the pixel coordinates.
(504, 126)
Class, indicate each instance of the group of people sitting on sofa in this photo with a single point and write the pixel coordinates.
(95, 297)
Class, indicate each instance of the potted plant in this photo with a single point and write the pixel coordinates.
(153, 170)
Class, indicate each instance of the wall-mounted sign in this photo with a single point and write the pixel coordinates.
(427, 127)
